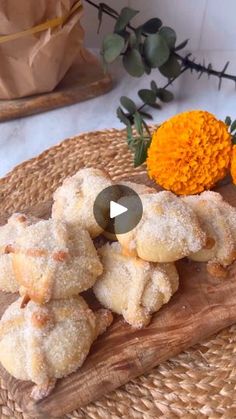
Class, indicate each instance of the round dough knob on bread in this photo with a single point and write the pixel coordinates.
(133, 287)
(52, 260)
(74, 199)
(169, 229)
(43, 343)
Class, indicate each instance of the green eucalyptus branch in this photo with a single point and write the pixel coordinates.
(145, 48)
(186, 61)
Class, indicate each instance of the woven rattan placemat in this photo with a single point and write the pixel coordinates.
(199, 383)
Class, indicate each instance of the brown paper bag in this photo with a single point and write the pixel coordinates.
(36, 63)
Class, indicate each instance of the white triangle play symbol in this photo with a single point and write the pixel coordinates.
(116, 209)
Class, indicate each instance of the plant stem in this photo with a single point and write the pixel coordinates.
(186, 62)
(97, 7)
(203, 69)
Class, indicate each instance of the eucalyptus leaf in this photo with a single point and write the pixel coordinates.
(228, 120)
(113, 45)
(133, 63)
(129, 131)
(130, 138)
(154, 86)
(147, 96)
(152, 25)
(234, 139)
(165, 95)
(124, 18)
(138, 123)
(171, 68)
(155, 106)
(122, 117)
(148, 138)
(133, 40)
(146, 115)
(138, 33)
(125, 34)
(128, 104)
(156, 50)
(233, 126)
(182, 45)
(140, 154)
(169, 35)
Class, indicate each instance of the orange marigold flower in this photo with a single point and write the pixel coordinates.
(233, 164)
(190, 153)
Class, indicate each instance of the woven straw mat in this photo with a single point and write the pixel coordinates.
(199, 383)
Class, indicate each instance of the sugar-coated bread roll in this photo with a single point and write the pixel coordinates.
(133, 287)
(169, 229)
(74, 199)
(8, 234)
(43, 343)
(52, 260)
(218, 220)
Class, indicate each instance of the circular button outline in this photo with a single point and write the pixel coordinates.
(122, 195)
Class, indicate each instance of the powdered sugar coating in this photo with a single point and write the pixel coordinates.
(74, 200)
(133, 287)
(43, 343)
(218, 220)
(169, 230)
(53, 260)
(8, 234)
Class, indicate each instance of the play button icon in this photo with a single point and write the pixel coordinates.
(118, 209)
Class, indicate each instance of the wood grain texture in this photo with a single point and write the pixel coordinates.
(202, 306)
(83, 81)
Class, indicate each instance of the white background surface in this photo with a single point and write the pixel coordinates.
(210, 26)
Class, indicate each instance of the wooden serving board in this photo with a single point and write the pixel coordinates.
(85, 80)
(202, 306)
